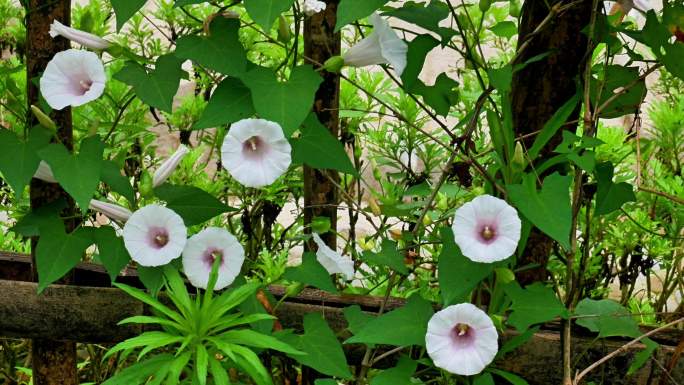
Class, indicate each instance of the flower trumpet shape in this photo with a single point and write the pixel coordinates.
(333, 261)
(383, 46)
(83, 38)
(111, 210)
(255, 152)
(169, 165)
(202, 250)
(312, 7)
(154, 235)
(640, 5)
(72, 78)
(461, 339)
(487, 229)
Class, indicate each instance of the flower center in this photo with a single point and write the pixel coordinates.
(463, 334)
(85, 85)
(253, 147)
(159, 237)
(487, 233)
(211, 255)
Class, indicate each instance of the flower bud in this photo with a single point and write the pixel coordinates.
(395, 234)
(145, 186)
(518, 161)
(169, 165)
(43, 118)
(334, 64)
(373, 204)
(427, 220)
(110, 210)
(294, 289)
(83, 38)
(514, 8)
(442, 202)
(484, 5)
(284, 34)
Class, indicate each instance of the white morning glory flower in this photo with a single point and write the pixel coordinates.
(333, 261)
(640, 5)
(44, 173)
(461, 339)
(487, 229)
(83, 38)
(111, 210)
(169, 165)
(202, 250)
(72, 78)
(255, 152)
(383, 46)
(312, 7)
(154, 235)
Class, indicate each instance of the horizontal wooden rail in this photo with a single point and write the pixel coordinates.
(90, 314)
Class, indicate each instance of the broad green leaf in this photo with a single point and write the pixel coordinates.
(325, 381)
(388, 256)
(610, 196)
(18, 159)
(112, 251)
(548, 209)
(517, 341)
(614, 78)
(352, 10)
(323, 351)
(230, 102)
(418, 48)
(440, 96)
(643, 356)
(311, 272)
(458, 275)
(425, 16)
(404, 326)
(79, 175)
(125, 9)
(264, 12)
(181, 3)
(318, 148)
(606, 317)
(154, 87)
(152, 278)
(139, 372)
(398, 375)
(58, 252)
(534, 304)
(111, 175)
(506, 29)
(510, 377)
(501, 78)
(286, 103)
(30, 224)
(356, 318)
(552, 126)
(673, 59)
(220, 51)
(484, 379)
(193, 204)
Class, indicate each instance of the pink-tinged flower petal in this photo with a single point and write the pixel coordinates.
(72, 78)
(382, 46)
(461, 339)
(154, 235)
(83, 38)
(312, 7)
(333, 261)
(111, 210)
(487, 229)
(44, 173)
(255, 152)
(201, 251)
(169, 165)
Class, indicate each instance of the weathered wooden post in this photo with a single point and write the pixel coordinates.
(54, 362)
(320, 191)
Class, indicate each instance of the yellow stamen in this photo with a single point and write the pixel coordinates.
(487, 233)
